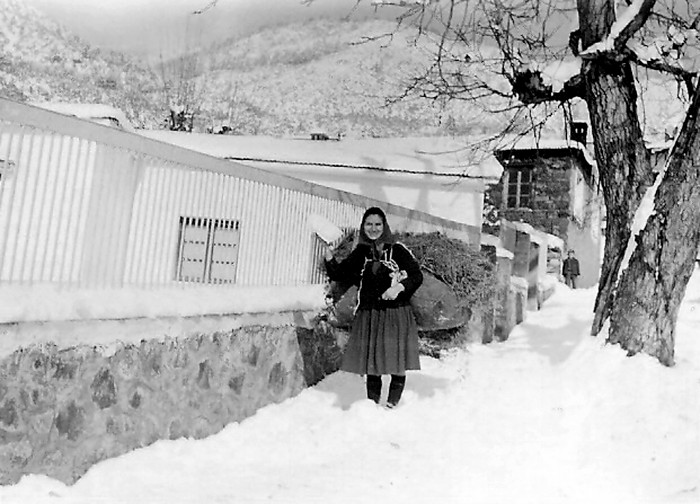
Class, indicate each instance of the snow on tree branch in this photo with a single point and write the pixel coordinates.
(533, 86)
(660, 65)
(626, 25)
(677, 53)
(557, 81)
(631, 21)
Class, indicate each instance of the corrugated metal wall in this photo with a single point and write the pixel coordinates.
(83, 205)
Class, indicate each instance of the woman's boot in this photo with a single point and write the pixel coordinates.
(395, 390)
(374, 387)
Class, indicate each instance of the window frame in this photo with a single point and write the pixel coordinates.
(210, 225)
(518, 184)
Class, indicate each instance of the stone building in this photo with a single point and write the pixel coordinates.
(552, 185)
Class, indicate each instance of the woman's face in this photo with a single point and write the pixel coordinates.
(374, 226)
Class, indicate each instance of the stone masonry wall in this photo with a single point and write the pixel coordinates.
(551, 198)
(64, 409)
(505, 299)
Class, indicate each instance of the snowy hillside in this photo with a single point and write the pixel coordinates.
(327, 75)
(319, 75)
(41, 61)
(284, 80)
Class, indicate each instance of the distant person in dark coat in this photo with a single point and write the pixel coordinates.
(384, 334)
(571, 270)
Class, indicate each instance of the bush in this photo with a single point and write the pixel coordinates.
(469, 273)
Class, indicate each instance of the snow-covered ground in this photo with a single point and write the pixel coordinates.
(550, 416)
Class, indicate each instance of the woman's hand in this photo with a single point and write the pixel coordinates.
(327, 253)
(392, 292)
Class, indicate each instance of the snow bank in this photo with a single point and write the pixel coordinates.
(48, 303)
(552, 415)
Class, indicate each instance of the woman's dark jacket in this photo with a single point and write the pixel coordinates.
(372, 273)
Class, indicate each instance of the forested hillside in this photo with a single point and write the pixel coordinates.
(337, 77)
(41, 61)
(328, 75)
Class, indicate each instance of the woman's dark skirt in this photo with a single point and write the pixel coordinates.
(382, 342)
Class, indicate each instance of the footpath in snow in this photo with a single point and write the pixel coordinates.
(550, 416)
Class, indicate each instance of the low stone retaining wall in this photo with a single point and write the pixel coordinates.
(519, 295)
(62, 409)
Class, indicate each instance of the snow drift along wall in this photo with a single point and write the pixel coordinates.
(64, 409)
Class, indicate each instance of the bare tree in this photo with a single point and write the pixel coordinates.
(644, 275)
(233, 99)
(183, 92)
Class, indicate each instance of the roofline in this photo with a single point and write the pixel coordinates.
(547, 150)
(360, 167)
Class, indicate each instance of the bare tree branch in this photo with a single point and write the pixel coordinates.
(531, 89)
(696, 23)
(211, 4)
(637, 22)
(661, 66)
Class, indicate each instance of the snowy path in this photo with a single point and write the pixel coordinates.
(550, 416)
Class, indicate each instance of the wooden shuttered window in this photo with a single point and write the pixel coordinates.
(208, 250)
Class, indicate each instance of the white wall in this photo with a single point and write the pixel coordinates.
(80, 213)
(440, 176)
(457, 199)
(88, 206)
(44, 200)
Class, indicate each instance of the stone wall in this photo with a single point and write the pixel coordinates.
(518, 297)
(554, 262)
(64, 409)
(321, 348)
(557, 207)
(505, 299)
(551, 210)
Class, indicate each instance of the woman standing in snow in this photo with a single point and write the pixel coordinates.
(384, 334)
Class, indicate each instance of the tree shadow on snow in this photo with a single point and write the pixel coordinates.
(556, 343)
(350, 388)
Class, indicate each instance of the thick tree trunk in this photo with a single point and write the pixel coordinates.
(623, 161)
(652, 287)
(623, 164)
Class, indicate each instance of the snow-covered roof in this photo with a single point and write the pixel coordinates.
(519, 282)
(489, 239)
(502, 252)
(555, 242)
(469, 157)
(523, 227)
(529, 142)
(495, 241)
(96, 112)
(439, 156)
(538, 237)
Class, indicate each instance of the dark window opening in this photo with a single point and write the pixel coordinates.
(519, 188)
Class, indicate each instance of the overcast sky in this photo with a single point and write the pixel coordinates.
(151, 26)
